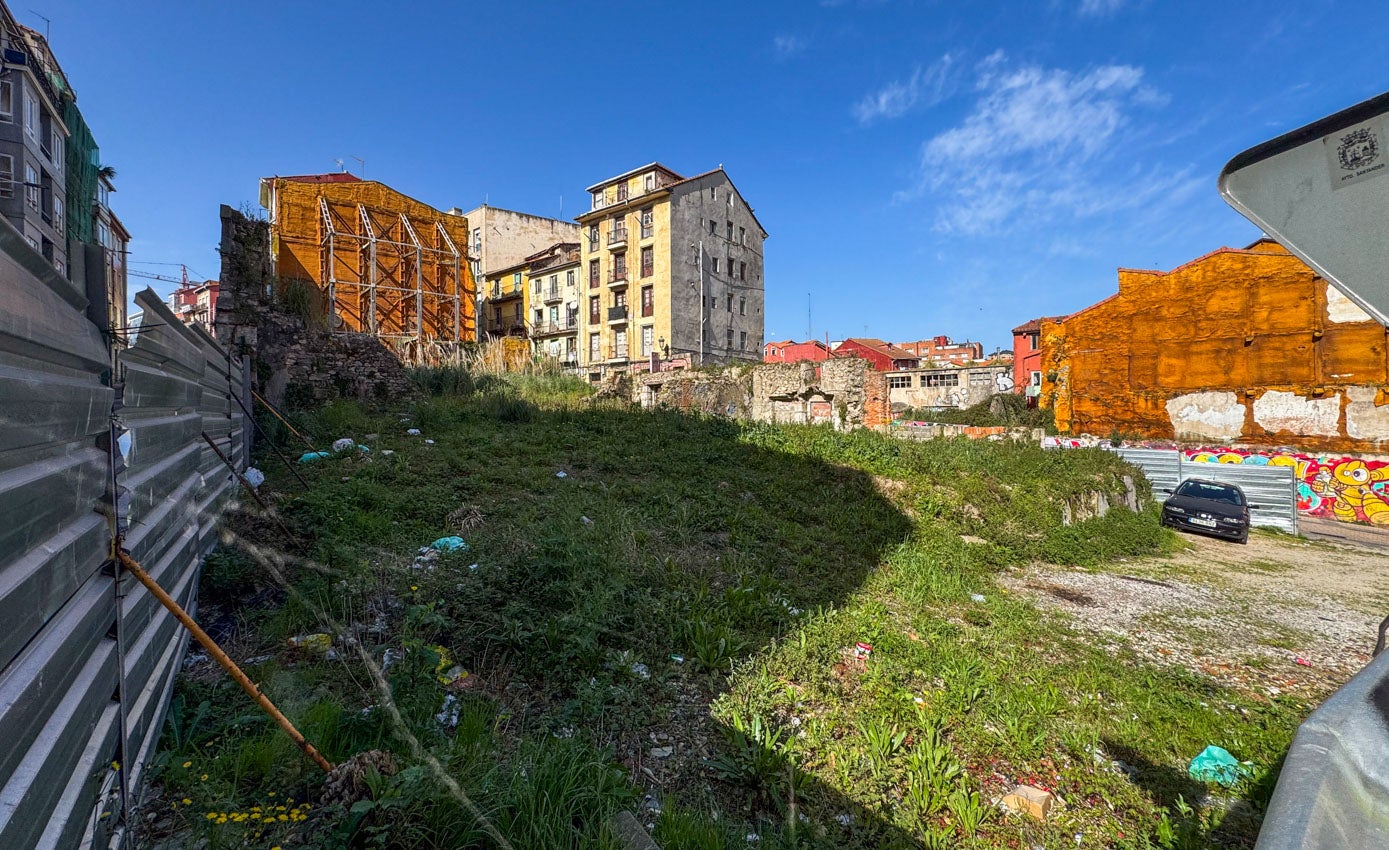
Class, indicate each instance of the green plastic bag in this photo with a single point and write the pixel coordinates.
(1215, 764)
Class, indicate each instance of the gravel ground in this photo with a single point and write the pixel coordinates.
(1277, 616)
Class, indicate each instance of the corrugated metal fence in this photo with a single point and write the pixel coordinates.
(1271, 490)
(86, 660)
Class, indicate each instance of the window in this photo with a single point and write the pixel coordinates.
(592, 274)
(742, 340)
(648, 220)
(598, 199)
(7, 101)
(715, 261)
(477, 240)
(980, 379)
(941, 379)
(1036, 379)
(1032, 341)
(620, 343)
(6, 176)
(59, 222)
(713, 193)
(713, 303)
(619, 266)
(742, 306)
(620, 298)
(594, 315)
(648, 301)
(622, 191)
(730, 339)
(31, 115)
(56, 146)
(554, 285)
(742, 271)
(569, 278)
(31, 186)
(646, 341)
(594, 354)
(535, 286)
(650, 182)
(539, 317)
(899, 382)
(743, 235)
(713, 227)
(730, 231)
(648, 261)
(516, 280)
(593, 237)
(729, 302)
(554, 314)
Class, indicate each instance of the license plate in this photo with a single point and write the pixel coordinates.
(1208, 523)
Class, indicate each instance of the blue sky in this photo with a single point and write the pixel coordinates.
(923, 167)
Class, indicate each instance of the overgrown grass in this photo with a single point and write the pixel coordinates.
(704, 583)
(1006, 410)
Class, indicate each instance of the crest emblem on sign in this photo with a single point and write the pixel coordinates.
(1358, 149)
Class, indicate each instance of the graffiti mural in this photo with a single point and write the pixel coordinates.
(1342, 488)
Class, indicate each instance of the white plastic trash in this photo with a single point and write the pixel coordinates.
(343, 444)
(254, 477)
(413, 432)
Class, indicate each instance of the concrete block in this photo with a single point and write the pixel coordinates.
(1033, 802)
(630, 833)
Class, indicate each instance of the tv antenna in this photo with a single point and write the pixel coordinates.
(361, 167)
(341, 167)
(47, 24)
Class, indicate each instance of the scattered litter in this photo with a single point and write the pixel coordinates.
(473, 567)
(343, 444)
(347, 478)
(662, 752)
(561, 474)
(370, 437)
(920, 701)
(651, 804)
(196, 658)
(257, 659)
(1215, 764)
(752, 838)
(387, 453)
(429, 442)
(843, 819)
(310, 457)
(254, 477)
(448, 715)
(363, 449)
(317, 643)
(389, 658)
(976, 597)
(585, 520)
(378, 626)
(331, 654)
(413, 432)
(1303, 661)
(863, 650)
(452, 543)
(678, 659)
(640, 670)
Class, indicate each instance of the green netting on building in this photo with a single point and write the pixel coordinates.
(83, 160)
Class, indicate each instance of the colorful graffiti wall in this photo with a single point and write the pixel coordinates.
(1342, 488)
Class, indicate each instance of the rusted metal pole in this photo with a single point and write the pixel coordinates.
(273, 412)
(246, 484)
(221, 657)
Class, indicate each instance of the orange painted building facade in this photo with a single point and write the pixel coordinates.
(383, 263)
(1240, 346)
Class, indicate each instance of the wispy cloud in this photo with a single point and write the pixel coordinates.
(1095, 8)
(1044, 143)
(927, 86)
(787, 46)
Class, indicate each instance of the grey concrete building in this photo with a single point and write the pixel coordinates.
(33, 138)
(499, 239)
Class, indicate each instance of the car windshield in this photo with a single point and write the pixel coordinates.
(1214, 492)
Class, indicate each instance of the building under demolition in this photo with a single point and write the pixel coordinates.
(382, 263)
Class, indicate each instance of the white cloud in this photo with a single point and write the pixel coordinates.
(1044, 143)
(787, 46)
(925, 87)
(1099, 7)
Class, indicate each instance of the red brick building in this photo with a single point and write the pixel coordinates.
(790, 351)
(1027, 356)
(940, 350)
(884, 356)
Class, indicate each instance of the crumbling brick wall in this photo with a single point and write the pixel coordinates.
(293, 358)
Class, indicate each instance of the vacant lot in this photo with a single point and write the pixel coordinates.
(746, 634)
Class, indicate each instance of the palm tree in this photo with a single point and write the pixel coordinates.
(107, 171)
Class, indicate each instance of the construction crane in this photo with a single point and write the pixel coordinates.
(182, 282)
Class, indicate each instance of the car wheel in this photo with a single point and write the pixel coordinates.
(1244, 538)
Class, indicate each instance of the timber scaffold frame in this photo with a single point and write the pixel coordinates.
(382, 278)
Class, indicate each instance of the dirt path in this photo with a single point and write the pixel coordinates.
(1279, 615)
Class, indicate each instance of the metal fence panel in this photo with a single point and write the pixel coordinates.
(1271, 490)
(85, 673)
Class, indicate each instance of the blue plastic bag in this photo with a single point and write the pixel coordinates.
(1215, 764)
(309, 457)
(449, 544)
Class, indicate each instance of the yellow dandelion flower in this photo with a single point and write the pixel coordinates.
(204, 778)
(283, 817)
(187, 765)
(212, 816)
(271, 794)
(115, 765)
(279, 808)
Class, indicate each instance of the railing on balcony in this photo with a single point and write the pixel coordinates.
(507, 327)
(617, 352)
(617, 314)
(552, 293)
(647, 230)
(617, 276)
(617, 236)
(559, 327)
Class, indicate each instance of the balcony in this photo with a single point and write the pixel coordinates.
(617, 277)
(552, 293)
(617, 352)
(500, 293)
(552, 328)
(507, 327)
(617, 314)
(617, 236)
